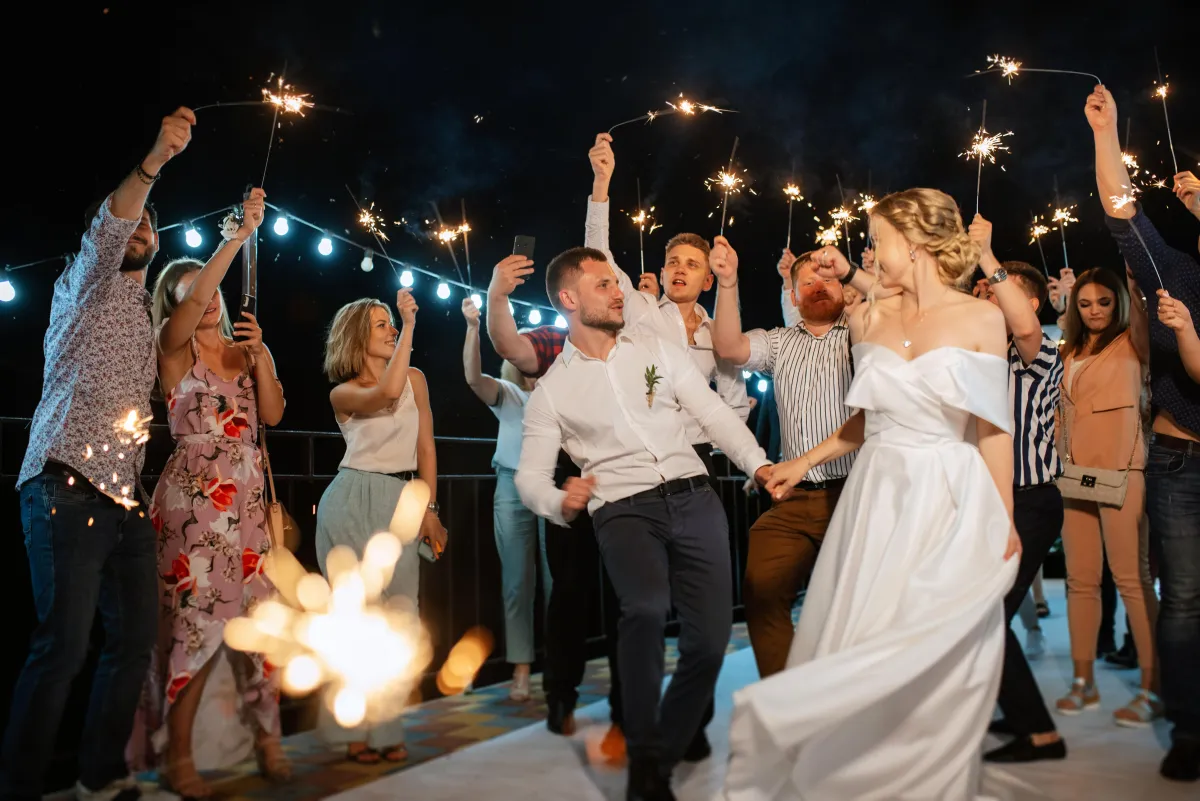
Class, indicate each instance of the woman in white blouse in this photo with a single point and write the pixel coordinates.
(520, 535)
(382, 408)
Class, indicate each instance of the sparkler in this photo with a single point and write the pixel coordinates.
(1063, 217)
(792, 193)
(984, 146)
(641, 220)
(866, 203)
(465, 229)
(829, 236)
(728, 182)
(342, 633)
(1008, 67)
(447, 236)
(842, 214)
(1161, 94)
(374, 224)
(680, 106)
(1036, 232)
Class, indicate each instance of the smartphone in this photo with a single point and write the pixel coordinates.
(523, 246)
(425, 550)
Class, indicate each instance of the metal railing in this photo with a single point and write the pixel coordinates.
(462, 590)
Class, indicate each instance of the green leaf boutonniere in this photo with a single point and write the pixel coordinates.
(652, 379)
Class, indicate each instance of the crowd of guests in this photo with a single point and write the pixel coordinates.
(1105, 454)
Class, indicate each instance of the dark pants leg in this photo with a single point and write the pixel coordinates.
(77, 568)
(1038, 516)
(659, 552)
(1106, 642)
(704, 451)
(1173, 502)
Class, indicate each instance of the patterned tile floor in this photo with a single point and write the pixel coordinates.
(433, 729)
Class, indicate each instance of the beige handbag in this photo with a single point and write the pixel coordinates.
(1096, 484)
(280, 525)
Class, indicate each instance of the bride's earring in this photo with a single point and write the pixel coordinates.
(912, 255)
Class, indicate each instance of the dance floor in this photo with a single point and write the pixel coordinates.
(1105, 761)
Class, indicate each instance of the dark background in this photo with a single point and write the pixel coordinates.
(868, 92)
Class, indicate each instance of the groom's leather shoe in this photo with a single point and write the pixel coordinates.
(560, 718)
(1022, 749)
(647, 782)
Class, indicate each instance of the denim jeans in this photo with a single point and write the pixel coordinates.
(521, 543)
(1173, 503)
(86, 554)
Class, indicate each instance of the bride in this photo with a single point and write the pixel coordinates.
(893, 673)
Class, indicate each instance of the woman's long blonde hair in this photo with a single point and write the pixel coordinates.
(163, 303)
(930, 218)
(346, 342)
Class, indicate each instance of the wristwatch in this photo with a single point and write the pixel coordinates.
(998, 276)
(433, 507)
(849, 276)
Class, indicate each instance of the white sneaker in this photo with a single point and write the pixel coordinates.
(1035, 644)
(126, 789)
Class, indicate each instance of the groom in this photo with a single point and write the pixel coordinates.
(611, 401)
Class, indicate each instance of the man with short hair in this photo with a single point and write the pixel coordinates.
(612, 401)
(812, 369)
(1020, 290)
(91, 548)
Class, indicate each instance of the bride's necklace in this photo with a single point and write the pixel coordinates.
(920, 318)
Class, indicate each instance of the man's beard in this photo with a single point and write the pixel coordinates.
(822, 308)
(601, 321)
(133, 264)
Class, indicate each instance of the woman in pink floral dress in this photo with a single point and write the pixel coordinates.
(209, 512)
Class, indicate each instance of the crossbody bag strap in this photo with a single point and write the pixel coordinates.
(262, 438)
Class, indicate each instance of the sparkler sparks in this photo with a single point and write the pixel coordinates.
(447, 235)
(1130, 161)
(342, 633)
(680, 106)
(1121, 201)
(373, 222)
(725, 181)
(829, 236)
(644, 218)
(1037, 231)
(985, 146)
(285, 101)
(842, 216)
(1161, 91)
(132, 429)
(866, 203)
(1063, 216)
(792, 192)
(1008, 66)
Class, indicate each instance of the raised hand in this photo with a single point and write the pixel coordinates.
(1101, 110)
(830, 261)
(723, 261)
(981, 233)
(648, 283)
(1066, 282)
(868, 259)
(1173, 313)
(253, 209)
(1187, 189)
(1057, 301)
(578, 493)
(406, 304)
(785, 265)
(173, 136)
(602, 158)
(509, 274)
(470, 312)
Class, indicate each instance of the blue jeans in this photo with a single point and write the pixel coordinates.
(86, 554)
(521, 543)
(1173, 502)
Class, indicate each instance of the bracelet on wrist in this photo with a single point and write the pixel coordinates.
(849, 276)
(144, 176)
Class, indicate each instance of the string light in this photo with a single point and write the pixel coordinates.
(325, 247)
(368, 263)
(762, 385)
(406, 278)
(443, 290)
(535, 317)
(746, 374)
(281, 226)
(192, 237)
(7, 291)
(559, 321)
(477, 300)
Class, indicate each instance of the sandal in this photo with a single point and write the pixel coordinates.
(191, 788)
(1082, 696)
(394, 753)
(1139, 713)
(273, 763)
(361, 754)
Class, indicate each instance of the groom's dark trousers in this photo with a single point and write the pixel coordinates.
(668, 546)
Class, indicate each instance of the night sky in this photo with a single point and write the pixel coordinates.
(875, 95)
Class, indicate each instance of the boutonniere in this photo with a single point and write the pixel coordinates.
(652, 379)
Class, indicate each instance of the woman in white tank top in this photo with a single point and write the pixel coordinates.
(382, 408)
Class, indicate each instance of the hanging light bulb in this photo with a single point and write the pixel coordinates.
(326, 246)
(368, 263)
(746, 374)
(477, 300)
(281, 225)
(406, 278)
(192, 237)
(535, 317)
(443, 290)
(560, 321)
(762, 385)
(7, 291)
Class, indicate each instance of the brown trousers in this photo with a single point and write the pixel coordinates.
(783, 549)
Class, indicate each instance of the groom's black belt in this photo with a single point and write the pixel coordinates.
(814, 486)
(673, 487)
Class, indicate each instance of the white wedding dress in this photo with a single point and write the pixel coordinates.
(893, 674)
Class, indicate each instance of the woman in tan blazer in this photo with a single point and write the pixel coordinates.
(1105, 353)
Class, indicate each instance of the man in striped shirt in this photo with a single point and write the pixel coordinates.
(1019, 289)
(811, 365)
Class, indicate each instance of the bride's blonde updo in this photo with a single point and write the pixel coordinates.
(930, 218)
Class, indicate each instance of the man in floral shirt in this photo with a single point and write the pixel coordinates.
(91, 546)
